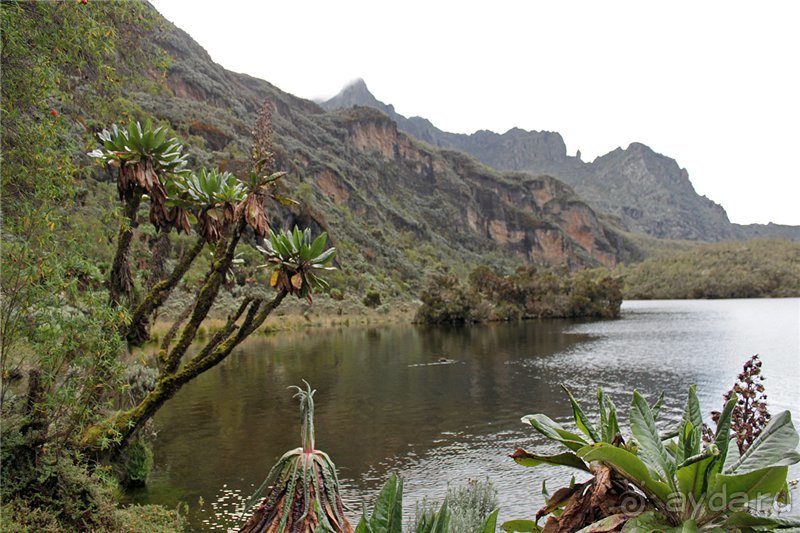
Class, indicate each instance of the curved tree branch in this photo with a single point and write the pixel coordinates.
(159, 292)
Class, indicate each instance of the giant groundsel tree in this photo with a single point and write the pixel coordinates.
(219, 208)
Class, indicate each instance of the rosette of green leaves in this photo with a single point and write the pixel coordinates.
(212, 195)
(141, 155)
(687, 483)
(297, 260)
(303, 486)
(136, 143)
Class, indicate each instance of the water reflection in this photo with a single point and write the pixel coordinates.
(382, 406)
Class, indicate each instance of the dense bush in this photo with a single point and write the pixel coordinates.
(372, 298)
(336, 294)
(446, 301)
(62, 494)
(528, 293)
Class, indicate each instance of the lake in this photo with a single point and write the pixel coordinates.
(386, 402)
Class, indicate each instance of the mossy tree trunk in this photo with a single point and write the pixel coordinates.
(107, 439)
(120, 284)
(138, 331)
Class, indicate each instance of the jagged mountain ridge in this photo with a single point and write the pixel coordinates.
(644, 191)
(395, 207)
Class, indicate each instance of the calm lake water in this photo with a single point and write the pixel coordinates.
(386, 404)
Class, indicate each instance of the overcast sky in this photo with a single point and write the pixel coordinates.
(712, 84)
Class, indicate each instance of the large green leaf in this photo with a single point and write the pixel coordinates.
(438, 522)
(363, 524)
(521, 526)
(609, 427)
(581, 420)
(525, 458)
(688, 443)
(554, 431)
(601, 404)
(490, 524)
(689, 440)
(692, 478)
(643, 427)
(613, 424)
(659, 403)
(318, 246)
(723, 436)
(387, 516)
(737, 489)
(628, 466)
(745, 519)
(324, 257)
(775, 446)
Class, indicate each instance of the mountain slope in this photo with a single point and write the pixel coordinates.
(644, 191)
(396, 208)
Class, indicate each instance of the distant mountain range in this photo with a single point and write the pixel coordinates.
(645, 192)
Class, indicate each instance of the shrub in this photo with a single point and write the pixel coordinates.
(469, 511)
(336, 294)
(63, 494)
(372, 299)
(446, 301)
(136, 462)
(528, 293)
(663, 481)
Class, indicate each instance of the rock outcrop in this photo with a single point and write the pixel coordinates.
(645, 192)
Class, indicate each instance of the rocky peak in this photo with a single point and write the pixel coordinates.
(639, 162)
(356, 93)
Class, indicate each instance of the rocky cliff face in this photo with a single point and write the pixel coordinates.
(645, 192)
(653, 195)
(537, 219)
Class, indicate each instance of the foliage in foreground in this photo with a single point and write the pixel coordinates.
(75, 298)
(469, 516)
(303, 486)
(470, 507)
(751, 269)
(528, 293)
(664, 482)
(62, 494)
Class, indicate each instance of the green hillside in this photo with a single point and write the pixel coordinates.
(751, 269)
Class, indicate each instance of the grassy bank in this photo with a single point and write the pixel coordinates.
(751, 269)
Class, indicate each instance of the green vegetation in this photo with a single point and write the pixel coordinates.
(59, 349)
(84, 276)
(77, 297)
(296, 260)
(750, 269)
(150, 167)
(372, 298)
(528, 293)
(687, 479)
(465, 510)
(470, 507)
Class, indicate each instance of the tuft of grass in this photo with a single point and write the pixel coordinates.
(469, 504)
